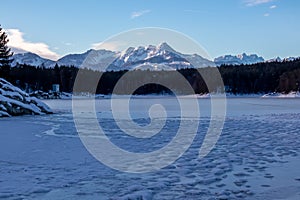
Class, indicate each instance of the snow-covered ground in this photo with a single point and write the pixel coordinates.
(256, 157)
(279, 95)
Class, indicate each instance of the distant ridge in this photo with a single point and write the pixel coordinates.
(238, 59)
(154, 58)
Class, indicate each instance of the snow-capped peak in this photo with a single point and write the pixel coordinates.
(165, 47)
(277, 59)
(238, 59)
(160, 57)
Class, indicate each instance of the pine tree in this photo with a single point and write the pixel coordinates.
(5, 55)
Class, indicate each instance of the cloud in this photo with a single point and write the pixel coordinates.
(273, 7)
(16, 41)
(256, 2)
(267, 14)
(139, 13)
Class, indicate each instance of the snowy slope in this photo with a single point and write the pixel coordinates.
(14, 101)
(94, 57)
(72, 59)
(238, 59)
(31, 59)
(161, 57)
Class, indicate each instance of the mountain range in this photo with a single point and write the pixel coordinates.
(238, 59)
(155, 58)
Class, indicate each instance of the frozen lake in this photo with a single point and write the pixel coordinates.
(256, 157)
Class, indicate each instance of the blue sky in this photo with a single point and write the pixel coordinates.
(53, 28)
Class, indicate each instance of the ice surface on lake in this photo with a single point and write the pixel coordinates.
(256, 157)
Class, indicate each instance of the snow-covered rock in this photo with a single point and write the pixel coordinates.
(14, 101)
(238, 59)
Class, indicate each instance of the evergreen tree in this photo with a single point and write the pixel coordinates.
(5, 55)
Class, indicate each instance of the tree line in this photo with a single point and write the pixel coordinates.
(281, 77)
(267, 77)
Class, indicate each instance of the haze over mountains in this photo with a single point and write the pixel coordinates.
(154, 58)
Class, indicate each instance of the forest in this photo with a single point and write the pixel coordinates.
(268, 77)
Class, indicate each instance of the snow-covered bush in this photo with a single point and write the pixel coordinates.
(14, 101)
